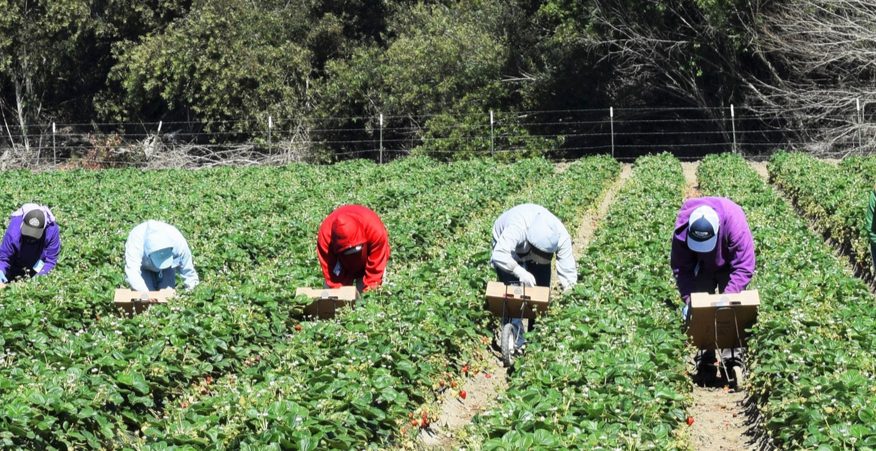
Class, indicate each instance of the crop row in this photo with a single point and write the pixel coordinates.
(605, 369)
(834, 198)
(379, 363)
(811, 350)
(96, 386)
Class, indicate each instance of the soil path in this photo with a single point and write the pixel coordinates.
(718, 412)
(490, 377)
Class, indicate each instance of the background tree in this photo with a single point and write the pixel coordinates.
(818, 58)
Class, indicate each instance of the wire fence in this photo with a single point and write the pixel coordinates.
(625, 133)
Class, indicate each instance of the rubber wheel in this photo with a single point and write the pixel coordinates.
(739, 375)
(507, 341)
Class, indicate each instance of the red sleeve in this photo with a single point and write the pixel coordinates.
(326, 258)
(378, 253)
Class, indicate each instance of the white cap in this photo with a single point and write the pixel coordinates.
(702, 229)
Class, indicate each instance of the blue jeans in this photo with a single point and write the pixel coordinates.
(542, 274)
(158, 280)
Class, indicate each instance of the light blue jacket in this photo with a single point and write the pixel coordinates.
(149, 237)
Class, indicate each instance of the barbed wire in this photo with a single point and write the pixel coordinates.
(622, 131)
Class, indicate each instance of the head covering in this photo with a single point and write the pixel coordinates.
(34, 223)
(702, 229)
(542, 234)
(159, 247)
(346, 233)
(28, 207)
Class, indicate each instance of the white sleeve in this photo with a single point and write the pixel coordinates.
(503, 250)
(567, 268)
(187, 268)
(133, 262)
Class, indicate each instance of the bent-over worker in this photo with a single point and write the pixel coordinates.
(154, 252)
(31, 244)
(525, 240)
(712, 248)
(353, 248)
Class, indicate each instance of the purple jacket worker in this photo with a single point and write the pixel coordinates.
(31, 243)
(712, 247)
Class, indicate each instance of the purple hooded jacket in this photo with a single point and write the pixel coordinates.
(18, 254)
(734, 249)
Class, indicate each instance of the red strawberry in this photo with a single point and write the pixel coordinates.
(465, 369)
(690, 421)
(298, 328)
(462, 394)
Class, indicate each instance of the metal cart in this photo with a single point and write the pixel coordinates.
(514, 301)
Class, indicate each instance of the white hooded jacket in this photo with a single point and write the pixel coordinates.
(526, 224)
(151, 236)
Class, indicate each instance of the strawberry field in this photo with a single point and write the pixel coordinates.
(233, 365)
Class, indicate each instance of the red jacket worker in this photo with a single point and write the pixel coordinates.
(353, 247)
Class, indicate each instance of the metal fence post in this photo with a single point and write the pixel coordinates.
(381, 138)
(611, 119)
(492, 136)
(733, 126)
(54, 148)
(859, 118)
(270, 126)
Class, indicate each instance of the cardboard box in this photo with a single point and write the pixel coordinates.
(327, 301)
(516, 301)
(729, 312)
(129, 300)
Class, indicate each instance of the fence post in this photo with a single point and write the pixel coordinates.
(611, 119)
(859, 118)
(381, 138)
(270, 126)
(733, 126)
(54, 148)
(492, 136)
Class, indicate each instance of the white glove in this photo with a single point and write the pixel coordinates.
(524, 276)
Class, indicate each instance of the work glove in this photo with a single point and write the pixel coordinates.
(684, 311)
(566, 288)
(3, 278)
(38, 266)
(525, 277)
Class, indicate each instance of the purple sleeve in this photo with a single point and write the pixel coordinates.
(7, 248)
(682, 262)
(52, 250)
(741, 247)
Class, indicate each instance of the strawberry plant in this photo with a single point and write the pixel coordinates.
(605, 369)
(810, 352)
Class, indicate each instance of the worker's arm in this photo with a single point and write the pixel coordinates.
(682, 261)
(187, 266)
(741, 255)
(567, 269)
(133, 264)
(375, 265)
(52, 250)
(503, 251)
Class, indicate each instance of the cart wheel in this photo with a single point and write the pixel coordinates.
(507, 343)
(739, 375)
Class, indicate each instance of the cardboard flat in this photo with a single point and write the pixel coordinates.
(129, 300)
(509, 300)
(327, 301)
(706, 309)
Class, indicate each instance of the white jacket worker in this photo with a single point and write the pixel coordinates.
(153, 252)
(525, 239)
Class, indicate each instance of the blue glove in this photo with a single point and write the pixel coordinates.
(3, 278)
(38, 266)
(684, 311)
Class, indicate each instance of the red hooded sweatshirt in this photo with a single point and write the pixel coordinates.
(346, 227)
